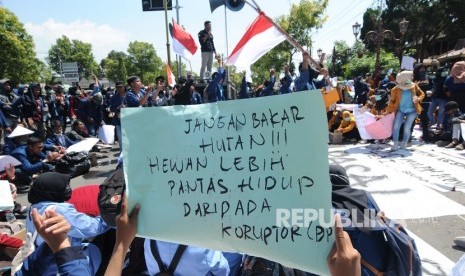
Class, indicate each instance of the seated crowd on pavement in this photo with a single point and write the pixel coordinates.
(40, 121)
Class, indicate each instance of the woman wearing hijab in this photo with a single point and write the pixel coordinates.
(455, 84)
(51, 191)
(348, 127)
(405, 101)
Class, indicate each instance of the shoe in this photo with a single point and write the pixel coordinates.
(20, 209)
(452, 144)
(459, 147)
(395, 147)
(442, 144)
(403, 145)
(460, 241)
(23, 189)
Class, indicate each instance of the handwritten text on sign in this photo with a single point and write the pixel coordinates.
(214, 175)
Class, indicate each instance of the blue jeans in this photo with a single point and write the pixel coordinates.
(119, 137)
(407, 125)
(435, 102)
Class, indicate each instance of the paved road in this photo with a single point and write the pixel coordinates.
(437, 231)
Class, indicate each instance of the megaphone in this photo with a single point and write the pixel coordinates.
(234, 5)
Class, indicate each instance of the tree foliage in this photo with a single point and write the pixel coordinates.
(114, 66)
(17, 53)
(338, 58)
(429, 21)
(360, 65)
(144, 62)
(66, 50)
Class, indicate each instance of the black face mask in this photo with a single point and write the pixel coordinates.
(422, 75)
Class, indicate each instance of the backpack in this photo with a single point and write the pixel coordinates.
(74, 163)
(110, 195)
(167, 271)
(386, 249)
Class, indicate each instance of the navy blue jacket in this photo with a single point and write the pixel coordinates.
(62, 141)
(30, 164)
(89, 109)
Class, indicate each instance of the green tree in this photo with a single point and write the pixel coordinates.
(360, 65)
(45, 73)
(338, 58)
(66, 50)
(430, 20)
(18, 58)
(144, 62)
(114, 66)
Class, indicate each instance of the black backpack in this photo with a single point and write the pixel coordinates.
(110, 195)
(167, 271)
(74, 163)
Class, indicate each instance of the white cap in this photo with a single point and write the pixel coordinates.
(20, 131)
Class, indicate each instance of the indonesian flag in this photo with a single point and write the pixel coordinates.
(170, 76)
(261, 37)
(183, 43)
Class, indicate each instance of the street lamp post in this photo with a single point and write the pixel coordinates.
(378, 37)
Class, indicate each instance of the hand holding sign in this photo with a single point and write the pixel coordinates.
(343, 259)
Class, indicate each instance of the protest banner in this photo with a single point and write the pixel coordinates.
(382, 128)
(331, 97)
(6, 161)
(84, 145)
(106, 133)
(6, 199)
(247, 176)
(362, 119)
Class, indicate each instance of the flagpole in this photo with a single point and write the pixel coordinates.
(227, 49)
(165, 2)
(178, 58)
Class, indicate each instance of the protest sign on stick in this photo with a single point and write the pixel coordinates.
(246, 176)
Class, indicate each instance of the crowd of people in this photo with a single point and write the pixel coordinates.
(38, 123)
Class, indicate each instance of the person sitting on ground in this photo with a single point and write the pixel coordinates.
(9, 175)
(19, 137)
(78, 131)
(348, 127)
(453, 125)
(59, 139)
(33, 161)
(49, 192)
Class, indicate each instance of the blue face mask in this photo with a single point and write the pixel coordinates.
(444, 74)
(378, 97)
(347, 119)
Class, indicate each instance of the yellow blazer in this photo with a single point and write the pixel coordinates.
(396, 95)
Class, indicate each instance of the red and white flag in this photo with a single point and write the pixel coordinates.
(261, 37)
(183, 43)
(170, 76)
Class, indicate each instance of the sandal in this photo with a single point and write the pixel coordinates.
(452, 144)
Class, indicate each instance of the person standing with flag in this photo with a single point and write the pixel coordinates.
(207, 48)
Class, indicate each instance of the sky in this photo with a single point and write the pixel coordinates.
(112, 24)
